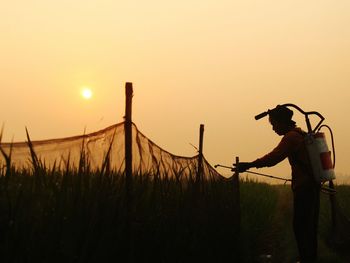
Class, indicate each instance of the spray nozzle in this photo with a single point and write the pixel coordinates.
(261, 115)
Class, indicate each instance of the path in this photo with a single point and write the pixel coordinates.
(278, 240)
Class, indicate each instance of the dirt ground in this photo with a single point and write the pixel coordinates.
(277, 242)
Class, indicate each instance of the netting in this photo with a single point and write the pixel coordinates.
(104, 149)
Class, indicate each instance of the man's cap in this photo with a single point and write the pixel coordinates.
(281, 114)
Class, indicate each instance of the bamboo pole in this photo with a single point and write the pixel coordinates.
(237, 196)
(128, 134)
(333, 207)
(128, 168)
(200, 153)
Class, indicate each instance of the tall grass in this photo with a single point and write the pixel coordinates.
(79, 215)
(72, 217)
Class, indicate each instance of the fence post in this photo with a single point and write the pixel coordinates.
(200, 153)
(128, 134)
(237, 196)
(128, 168)
(333, 207)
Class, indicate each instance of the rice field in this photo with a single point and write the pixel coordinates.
(83, 216)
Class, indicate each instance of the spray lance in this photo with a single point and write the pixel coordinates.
(317, 148)
(233, 169)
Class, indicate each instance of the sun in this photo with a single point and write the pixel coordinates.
(86, 93)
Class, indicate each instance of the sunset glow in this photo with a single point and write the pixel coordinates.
(213, 62)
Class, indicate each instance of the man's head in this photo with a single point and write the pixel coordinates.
(281, 119)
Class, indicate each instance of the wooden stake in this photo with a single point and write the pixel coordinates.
(200, 153)
(128, 169)
(333, 207)
(237, 196)
(128, 133)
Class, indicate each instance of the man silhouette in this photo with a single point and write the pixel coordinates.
(306, 198)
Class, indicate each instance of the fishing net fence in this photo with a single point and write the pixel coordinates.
(102, 150)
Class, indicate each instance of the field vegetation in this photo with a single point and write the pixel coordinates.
(79, 215)
(84, 216)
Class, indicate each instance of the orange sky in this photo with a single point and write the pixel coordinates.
(191, 62)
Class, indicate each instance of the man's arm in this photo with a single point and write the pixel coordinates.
(287, 145)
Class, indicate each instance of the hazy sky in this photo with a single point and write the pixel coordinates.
(213, 62)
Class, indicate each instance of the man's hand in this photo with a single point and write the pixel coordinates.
(242, 167)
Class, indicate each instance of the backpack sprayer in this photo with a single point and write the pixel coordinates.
(316, 145)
